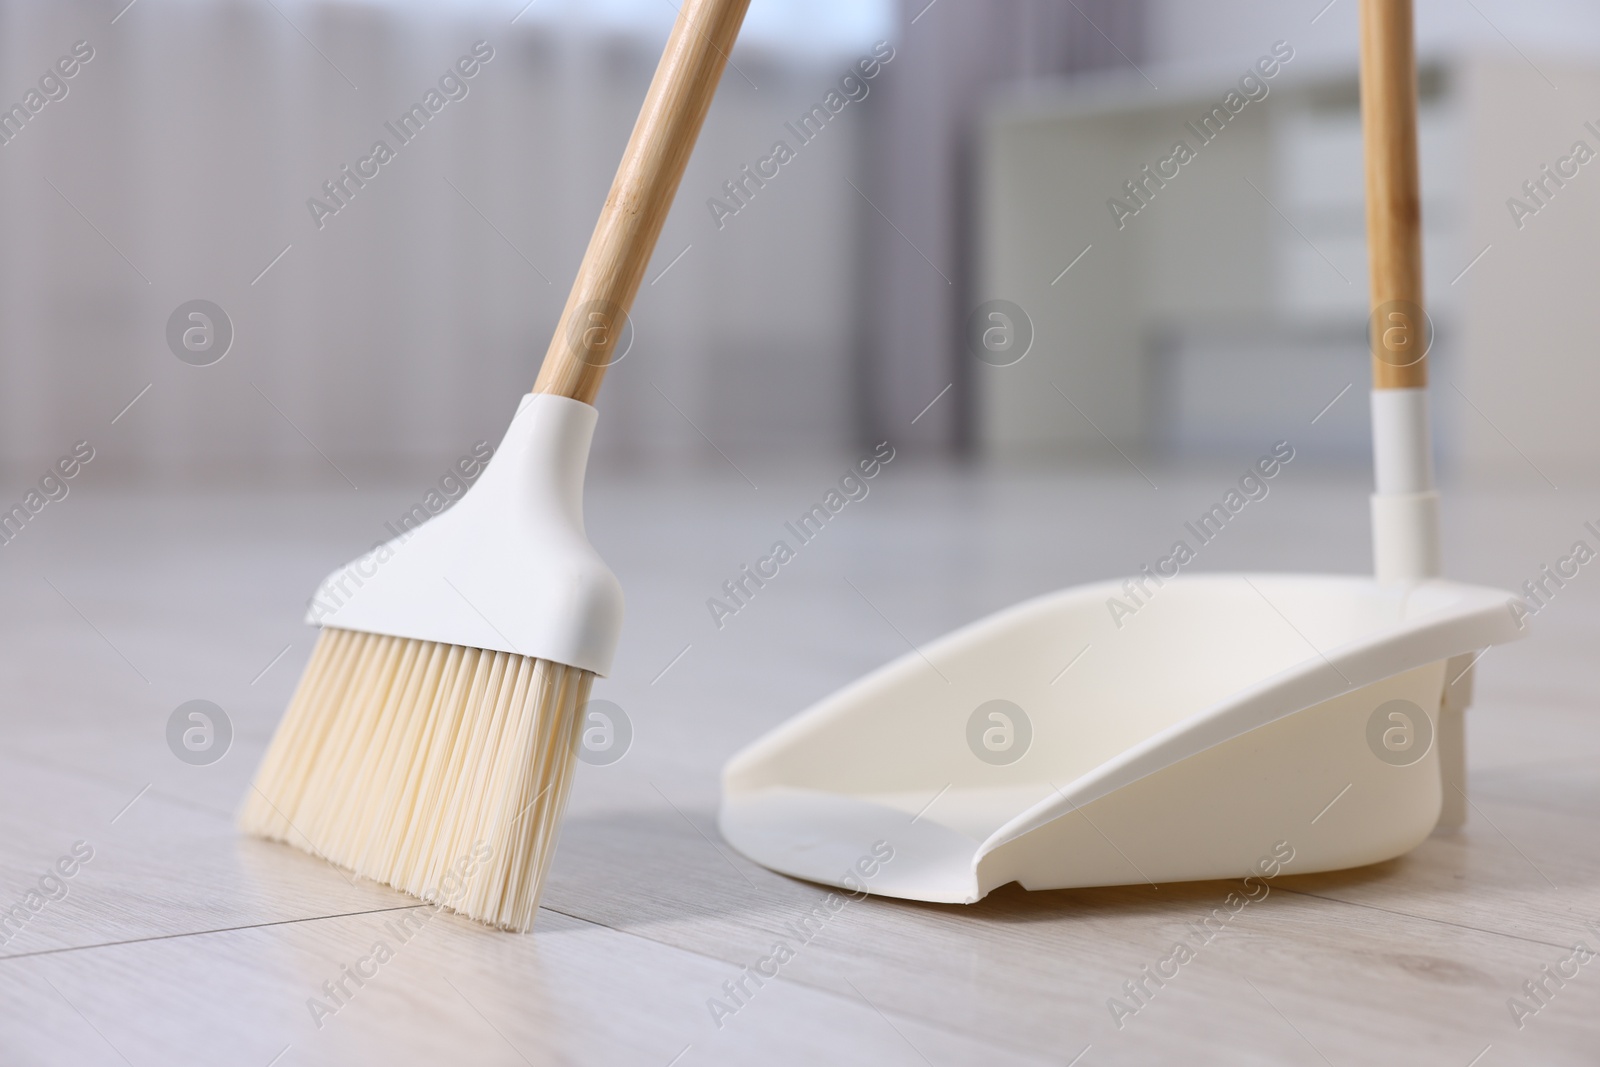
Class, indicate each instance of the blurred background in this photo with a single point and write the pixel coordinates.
(832, 308)
(162, 159)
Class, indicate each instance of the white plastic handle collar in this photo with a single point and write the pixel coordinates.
(508, 568)
(1405, 508)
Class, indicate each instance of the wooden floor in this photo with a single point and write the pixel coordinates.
(179, 942)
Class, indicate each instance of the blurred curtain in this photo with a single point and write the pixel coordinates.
(917, 242)
(179, 165)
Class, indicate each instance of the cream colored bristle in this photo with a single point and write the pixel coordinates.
(440, 770)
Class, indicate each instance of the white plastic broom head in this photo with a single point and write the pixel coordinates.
(508, 568)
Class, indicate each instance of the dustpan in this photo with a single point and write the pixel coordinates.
(1231, 713)
(1231, 725)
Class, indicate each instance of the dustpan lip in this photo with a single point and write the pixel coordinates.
(1475, 617)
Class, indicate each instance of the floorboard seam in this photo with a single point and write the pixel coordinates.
(203, 933)
(1423, 918)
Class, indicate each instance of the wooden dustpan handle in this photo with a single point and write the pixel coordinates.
(1405, 506)
(1394, 209)
(641, 194)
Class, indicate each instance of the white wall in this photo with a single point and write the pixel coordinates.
(1531, 322)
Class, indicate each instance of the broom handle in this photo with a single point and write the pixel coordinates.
(1405, 505)
(641, 194)
(1394, 210)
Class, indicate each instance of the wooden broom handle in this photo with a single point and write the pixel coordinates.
(1394, 208)
(641, 194)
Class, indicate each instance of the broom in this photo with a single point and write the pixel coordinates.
(430, 742)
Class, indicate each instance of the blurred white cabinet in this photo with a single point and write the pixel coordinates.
(1232, 307)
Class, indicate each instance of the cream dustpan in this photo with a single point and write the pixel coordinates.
(1232, 724)
(1222, 718)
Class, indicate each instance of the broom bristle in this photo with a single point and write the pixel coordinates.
(437, 769)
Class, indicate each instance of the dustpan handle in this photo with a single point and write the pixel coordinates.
(1405, 506)
(596, 312)
(1394, 208)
